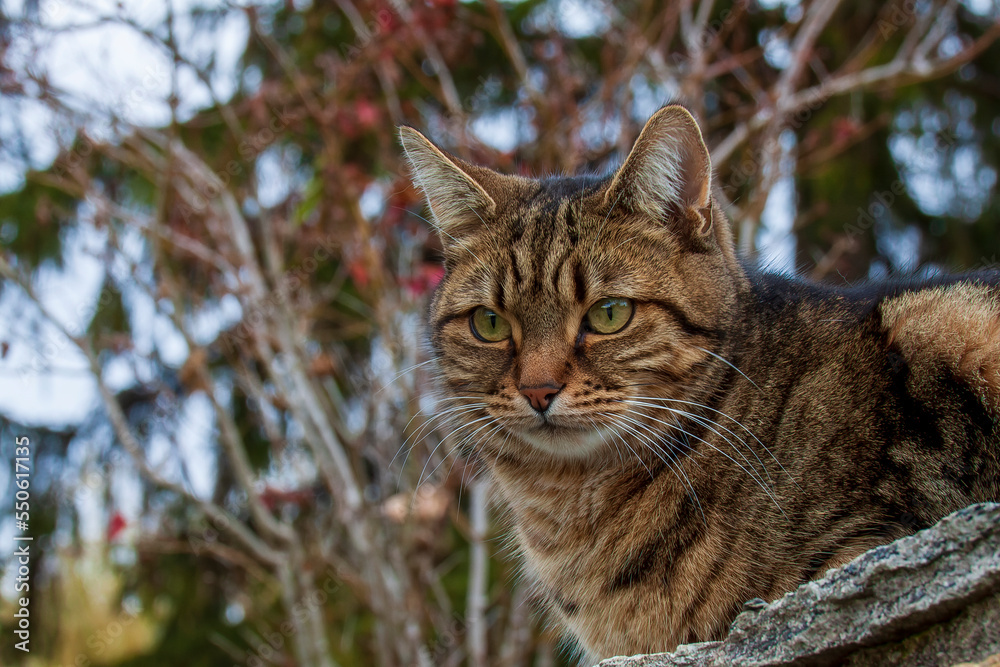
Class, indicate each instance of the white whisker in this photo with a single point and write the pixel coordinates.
(420, 478)
(730, 364)
(735, 421)
(674, 465)
(442, 230)
(405, 371)
(708, 423)
(752, 474)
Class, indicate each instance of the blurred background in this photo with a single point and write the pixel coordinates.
(215, 271)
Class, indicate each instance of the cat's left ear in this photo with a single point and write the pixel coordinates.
(668, 173)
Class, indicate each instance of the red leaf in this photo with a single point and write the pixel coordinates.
(359, 273)
(366, 112)
(844, 130)
(116, 524)
(426, 279)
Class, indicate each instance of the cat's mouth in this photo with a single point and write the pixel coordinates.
(565, 440)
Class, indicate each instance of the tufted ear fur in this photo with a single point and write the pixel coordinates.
(458, 203)
(668, 173)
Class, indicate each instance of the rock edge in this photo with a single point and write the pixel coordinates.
(922, 595)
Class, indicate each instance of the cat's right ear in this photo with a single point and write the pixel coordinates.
(457, 202)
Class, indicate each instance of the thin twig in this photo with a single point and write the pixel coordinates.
(220, 517)
(475, 612)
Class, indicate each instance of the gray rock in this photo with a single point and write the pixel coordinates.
(932, 598)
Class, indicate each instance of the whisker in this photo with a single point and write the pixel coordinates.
(597, 429)
(430, 424)
(749, 473)
(674, 465)
(419, 413)
(465, 425)
(730, 418)
(708, 423)
(416, 436)
(731, 365)
(484, 438)
(405, 371)
(442, 230)
(634, 453)
(628, 240)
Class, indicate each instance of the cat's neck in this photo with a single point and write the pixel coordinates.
(591, 537)
(574, 497)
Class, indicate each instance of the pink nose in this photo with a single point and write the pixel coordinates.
(540, 397)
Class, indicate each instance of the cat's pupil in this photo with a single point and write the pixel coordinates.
(609, 309)
(493, 320)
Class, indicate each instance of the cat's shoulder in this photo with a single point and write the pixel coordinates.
(943, 309)
(944, 324)
(951, 323)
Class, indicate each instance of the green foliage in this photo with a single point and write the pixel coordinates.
(111, 317)
(194, 631)
(33, 218)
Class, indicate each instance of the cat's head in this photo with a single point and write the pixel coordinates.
(572, 308)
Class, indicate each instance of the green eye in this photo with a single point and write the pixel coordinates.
(609, 315)
(488, 326)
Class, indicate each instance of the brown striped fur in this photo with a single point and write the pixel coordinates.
(743, 433)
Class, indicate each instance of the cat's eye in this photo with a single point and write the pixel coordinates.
(609, 315)
(488, 326)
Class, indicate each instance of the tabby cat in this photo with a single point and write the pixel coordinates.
(673, 431)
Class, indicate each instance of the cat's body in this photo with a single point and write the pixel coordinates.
(672, 432)
(631, 564)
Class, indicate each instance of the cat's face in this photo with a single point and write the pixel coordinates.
(572, 308)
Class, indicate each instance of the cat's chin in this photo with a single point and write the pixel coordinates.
(566, 442)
